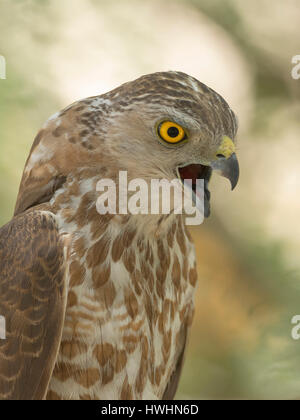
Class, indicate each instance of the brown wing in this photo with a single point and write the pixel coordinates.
(32, 300)
(172, 385)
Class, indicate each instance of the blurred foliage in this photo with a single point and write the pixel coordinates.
(24, 103)
(267, 366)
(270, 84)
(240, 345)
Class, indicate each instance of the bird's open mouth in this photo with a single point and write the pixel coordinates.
(225, 166)
(193, 172)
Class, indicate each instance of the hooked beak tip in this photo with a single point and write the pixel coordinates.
(228, 168)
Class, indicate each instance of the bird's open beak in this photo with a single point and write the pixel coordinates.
(226, 163)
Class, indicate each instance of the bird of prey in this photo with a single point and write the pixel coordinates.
(99, 306)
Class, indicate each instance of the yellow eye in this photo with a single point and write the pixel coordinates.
(171, 132)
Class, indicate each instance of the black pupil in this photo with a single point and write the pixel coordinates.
(173, 132)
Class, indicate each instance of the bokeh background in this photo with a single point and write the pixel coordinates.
(58, 51)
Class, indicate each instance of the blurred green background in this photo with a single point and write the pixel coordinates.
(59, 51)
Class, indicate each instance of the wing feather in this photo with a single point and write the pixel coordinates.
(32, 301)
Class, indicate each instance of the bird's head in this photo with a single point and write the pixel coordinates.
(162, 125)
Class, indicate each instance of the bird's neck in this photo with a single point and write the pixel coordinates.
(88, 203)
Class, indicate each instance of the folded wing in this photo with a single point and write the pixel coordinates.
(32, 302)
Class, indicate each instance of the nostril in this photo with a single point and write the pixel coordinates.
(219, 155)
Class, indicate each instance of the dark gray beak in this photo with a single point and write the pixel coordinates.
(229, 168)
